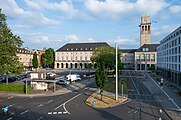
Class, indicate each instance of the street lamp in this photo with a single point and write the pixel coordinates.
(116, 72)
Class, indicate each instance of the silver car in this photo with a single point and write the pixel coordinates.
(63, 82)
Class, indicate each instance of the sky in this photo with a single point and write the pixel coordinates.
(53, 23)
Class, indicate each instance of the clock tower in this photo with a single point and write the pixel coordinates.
(145, 30)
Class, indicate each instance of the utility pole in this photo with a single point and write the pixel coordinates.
(116, 72)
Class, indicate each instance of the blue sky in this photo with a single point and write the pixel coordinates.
(53, 23)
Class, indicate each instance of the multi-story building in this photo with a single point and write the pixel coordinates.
(169, 57)
(146, 57)
(25, 57)
(145, 30)
(75, 55)
(127, 57)
(39, 54)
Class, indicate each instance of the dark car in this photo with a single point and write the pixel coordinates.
(10, 79)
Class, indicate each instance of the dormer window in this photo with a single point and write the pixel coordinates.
(145, 49)
(76, 49)
(90, 48)
(67, 49)
(80, 48)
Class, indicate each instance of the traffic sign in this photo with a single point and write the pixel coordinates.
(5, 109)
(94, 102)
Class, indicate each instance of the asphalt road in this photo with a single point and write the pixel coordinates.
(143, 102)
(71, 106)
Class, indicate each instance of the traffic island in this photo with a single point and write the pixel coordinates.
(107, 101)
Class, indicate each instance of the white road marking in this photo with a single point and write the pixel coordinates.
(40, 118)
(59, 112)
(49, 113)
(40, 105)
(19, 107)
(10, 118)
(54, 112)
(66, 111)
(49, 101)
(24, 112)
(67, 101)
(135, 111)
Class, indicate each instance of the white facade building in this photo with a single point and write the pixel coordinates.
(169, 56)
(75, 55)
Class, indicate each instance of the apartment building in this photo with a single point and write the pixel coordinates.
(25, 57)
(169, 57)
(75, 55)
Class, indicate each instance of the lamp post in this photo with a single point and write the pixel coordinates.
(116, 73)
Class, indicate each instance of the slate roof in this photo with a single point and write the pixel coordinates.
(23, 51)
(128, 50)
(81, 46)
(151, 48)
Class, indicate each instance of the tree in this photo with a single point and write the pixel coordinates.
(43, 60)
(104, 57)
(48, 57)
(35, 60)
(9, 43)
(101, 80)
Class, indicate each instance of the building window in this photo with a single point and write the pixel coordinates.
(80, 58)
(62, 58)
(85, 58)
(145, 49)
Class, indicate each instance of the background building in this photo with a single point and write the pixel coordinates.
(169, 57)
(145, 57)
(127, 58)
(39, 54)
(25, 57)
(75, 55)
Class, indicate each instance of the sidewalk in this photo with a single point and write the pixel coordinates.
(167, 98)
(64, 90)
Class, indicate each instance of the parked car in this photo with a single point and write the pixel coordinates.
(63, 82)
(59, 77)
(51, 74)
(73, 77)
(10, 79)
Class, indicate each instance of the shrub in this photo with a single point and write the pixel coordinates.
(14, 88)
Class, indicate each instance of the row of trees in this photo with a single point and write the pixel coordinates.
(105, 58)
(9, 64)
(47, 59)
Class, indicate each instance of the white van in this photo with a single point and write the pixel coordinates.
(73, 77)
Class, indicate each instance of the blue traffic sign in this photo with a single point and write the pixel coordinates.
(6, 109)
(94, 102)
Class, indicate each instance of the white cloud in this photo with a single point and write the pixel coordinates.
(118, 8)
(62, 6)
(32, 5)
(72, 38)
(12, 10)
(124, 41)
(175, 9)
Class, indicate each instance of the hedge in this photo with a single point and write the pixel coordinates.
(14, 88)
